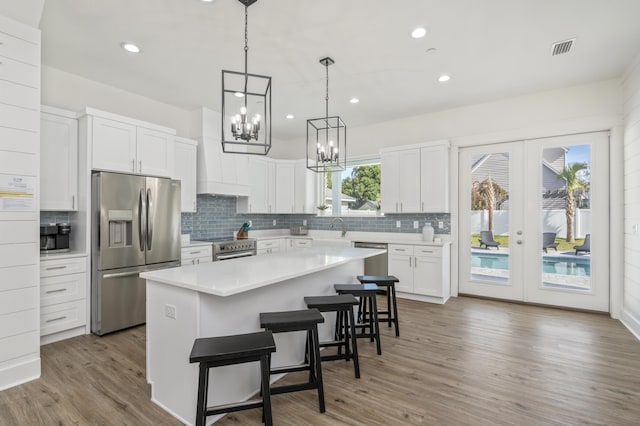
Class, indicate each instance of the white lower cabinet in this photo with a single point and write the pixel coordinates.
(195, 255)
(63, 295)
(297, 243)
(269, 246)
(422, 270)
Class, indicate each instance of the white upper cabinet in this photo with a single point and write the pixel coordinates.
(262, 187)
(114, 146)
(58, 160)
(154, 151)
(304, 188)
(120, 144)
(415, 179)
(285, 184)
(185, 160)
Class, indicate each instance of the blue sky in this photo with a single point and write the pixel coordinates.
(579, 154)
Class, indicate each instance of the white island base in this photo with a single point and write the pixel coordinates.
(199, 313)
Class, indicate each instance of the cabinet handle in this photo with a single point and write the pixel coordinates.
(56, 291)
(400, 249)
(194, 206)
(396, 207)
(409, 261)
(401, 207)
(140, 166)
(51, 268)
(423, 206)
(55, 319)
(194, 252)
(73, 202)
(415, 262)
(198, 261)
(133, 165)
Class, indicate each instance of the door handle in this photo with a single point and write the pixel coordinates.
(150, 215)
(121, 274)
(142, 219)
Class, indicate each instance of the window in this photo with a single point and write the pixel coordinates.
(354, 191)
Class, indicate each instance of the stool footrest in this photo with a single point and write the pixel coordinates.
(293, 388)
(289, 369)
(235, 406)
(336, 357)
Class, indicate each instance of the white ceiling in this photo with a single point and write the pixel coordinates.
(491, 48)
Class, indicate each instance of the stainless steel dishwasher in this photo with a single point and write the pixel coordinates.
(375, 265)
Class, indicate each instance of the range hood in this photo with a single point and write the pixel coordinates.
(219, 173)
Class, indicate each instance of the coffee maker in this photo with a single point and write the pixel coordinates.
(54, 237)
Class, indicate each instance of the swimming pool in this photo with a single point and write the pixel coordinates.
(550, 264)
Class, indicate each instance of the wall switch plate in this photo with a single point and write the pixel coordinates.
(440, 224)
(170, 311)
(415, 224)
(398, 224)
(304, 222)
(274, 222)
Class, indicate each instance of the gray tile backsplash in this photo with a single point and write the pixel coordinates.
(54, 217)
(217, 217)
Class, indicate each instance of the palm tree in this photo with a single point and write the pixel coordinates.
(571, 174)
(486, 195)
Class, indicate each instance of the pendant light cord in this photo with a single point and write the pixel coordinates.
(246, 51)
(326, 66)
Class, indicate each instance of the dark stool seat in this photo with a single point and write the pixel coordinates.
(388, 283)
(342, 305)
(367, 294)
(229, 350)
(302, 320)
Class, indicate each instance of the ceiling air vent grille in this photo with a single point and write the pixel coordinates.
(562, 47)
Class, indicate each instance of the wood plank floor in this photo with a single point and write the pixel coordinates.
(469, 362)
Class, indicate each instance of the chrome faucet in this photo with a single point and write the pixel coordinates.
(344, 225)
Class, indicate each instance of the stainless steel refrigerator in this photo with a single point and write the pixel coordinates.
(135, 228)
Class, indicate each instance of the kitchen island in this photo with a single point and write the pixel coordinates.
(226, 297)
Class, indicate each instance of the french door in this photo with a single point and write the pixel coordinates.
(534, 221)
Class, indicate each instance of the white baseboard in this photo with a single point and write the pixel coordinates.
(421, 298)
(62, 335)
(20, 373)
(631, 322)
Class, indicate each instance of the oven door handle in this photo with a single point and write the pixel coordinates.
(234, 255)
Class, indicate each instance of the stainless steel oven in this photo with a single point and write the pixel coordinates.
(225, 249)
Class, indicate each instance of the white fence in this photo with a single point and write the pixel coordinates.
(552, 221)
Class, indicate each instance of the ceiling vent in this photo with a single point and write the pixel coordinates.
(562, 47)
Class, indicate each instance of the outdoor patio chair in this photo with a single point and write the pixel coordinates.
(586, 246)
(549, 241)
(486, 240)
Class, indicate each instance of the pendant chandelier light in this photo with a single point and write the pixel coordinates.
(246, 105)
(326, 137)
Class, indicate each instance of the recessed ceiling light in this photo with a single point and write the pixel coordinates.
(444, 78)
(289, 116)
(419, 32)
(239, 95)
(354, 100)
(207, 1)
(130, 47)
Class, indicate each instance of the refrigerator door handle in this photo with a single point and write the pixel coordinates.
(150, 215)
(142, 219)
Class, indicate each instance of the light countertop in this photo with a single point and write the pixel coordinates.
(195, 243)
(229, 277)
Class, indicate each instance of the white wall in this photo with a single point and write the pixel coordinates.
(631, 303)
(72, 92)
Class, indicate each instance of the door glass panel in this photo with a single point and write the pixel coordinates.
(489, 217)
(566, 218)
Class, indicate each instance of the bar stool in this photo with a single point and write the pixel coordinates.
(367, 294)
(229, 350)
(388, 282)
(303, 320)
(342, 305)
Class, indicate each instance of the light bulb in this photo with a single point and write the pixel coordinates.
(243, 110)
(330, 143)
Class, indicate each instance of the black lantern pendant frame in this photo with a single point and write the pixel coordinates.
(255, 94)
(320, 131)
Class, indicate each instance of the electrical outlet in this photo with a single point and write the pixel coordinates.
(250, 224)
(274, 222)
(440, 224)
(170, 311)
(304, 222)
(415, 224)
(398, 224)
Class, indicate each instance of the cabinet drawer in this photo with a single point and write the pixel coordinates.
(52, 268)
(400, 249)
(18, 49)
(62, 316)
(194, 252)
(195, 261)
(19, 72)
(428, 251)
(302, 243)
(262, 244)
(64, 288)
